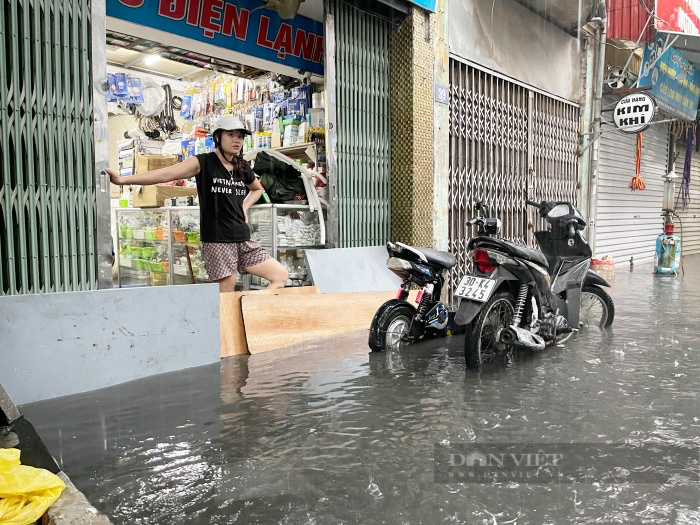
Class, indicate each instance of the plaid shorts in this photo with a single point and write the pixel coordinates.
(222, 259)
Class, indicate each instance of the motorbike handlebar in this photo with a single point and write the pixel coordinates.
(532, 203)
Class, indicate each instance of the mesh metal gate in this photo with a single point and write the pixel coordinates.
(363, 88)
(508, 143)
(47, 194)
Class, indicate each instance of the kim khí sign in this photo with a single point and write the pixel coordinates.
(237, 25)
(633, 113)
(678, 16)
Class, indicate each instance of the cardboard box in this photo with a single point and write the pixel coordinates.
(317, 118)
(155, 196)
(146, 163)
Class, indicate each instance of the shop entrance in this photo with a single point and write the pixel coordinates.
(163, 102)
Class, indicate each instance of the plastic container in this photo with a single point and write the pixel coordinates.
(126, 231)
(179, 236)
(193, 236)
(139, 234)
(149, 235)
(160, 234)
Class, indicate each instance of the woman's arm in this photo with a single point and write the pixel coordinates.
(256, 190)
(183, 170)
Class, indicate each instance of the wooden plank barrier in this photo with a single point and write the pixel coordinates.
(232, 328)
(278, 322)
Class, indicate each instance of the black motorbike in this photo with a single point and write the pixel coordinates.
(516, 297)
(398, 321)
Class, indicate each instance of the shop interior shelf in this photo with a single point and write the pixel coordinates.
(136, 270)
(309, 247)
(150, 241)
(296, 149)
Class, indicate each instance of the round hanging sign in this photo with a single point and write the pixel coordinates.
(634, 112)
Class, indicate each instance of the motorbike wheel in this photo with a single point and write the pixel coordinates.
(597, 307)
(482, 345)
(389, 331)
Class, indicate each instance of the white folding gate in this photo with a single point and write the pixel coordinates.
(508, 143)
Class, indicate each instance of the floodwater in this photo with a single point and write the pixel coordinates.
(339, 435)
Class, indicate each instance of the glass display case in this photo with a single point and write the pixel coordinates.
(143, 247)
(153, 244)
(286, 231)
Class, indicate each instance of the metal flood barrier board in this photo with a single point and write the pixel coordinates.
(628, 222)
(508, 143)
(362, 269)
(94, 339)
(363, 105)
(47, 191)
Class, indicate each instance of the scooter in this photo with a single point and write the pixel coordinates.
(397, 321)
(516, 297)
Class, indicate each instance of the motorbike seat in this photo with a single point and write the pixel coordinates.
(444, 259)
(512, 248)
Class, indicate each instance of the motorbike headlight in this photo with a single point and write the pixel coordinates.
(560, 210)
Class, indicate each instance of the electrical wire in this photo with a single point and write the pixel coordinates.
(652, 13)
(684, 191)
(681, 223)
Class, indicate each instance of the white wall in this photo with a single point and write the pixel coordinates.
(504, 36)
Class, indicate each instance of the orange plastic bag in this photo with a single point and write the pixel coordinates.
(25, 492)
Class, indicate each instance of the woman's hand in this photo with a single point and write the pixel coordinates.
(114, 177)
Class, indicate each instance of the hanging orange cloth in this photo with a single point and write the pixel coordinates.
(637, 183)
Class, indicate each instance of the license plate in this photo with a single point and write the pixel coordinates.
(476, 288)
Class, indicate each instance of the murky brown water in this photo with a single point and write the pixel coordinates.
(344, 436)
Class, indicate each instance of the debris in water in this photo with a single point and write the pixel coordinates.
(595, 361)
(373, 490)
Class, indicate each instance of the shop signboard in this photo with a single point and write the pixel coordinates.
(634, 113)
(678, 16)
(430, 5)
(237, 25)
(671, 79)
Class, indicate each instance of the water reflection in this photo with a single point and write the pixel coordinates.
(335, 434)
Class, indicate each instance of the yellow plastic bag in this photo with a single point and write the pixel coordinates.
(25, 492)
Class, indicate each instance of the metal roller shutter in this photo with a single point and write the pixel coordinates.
(628, 222)
(690, 216)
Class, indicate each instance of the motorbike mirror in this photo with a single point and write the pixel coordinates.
(483, 207)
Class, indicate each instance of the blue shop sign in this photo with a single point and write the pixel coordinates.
(430, 5)
(674, 81)
(235, 25)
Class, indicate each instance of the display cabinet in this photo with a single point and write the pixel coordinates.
(286, 231)
(143, 247)
(153, 244)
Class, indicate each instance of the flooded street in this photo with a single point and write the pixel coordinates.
(340, 435)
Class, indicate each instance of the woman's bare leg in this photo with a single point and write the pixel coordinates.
(271, 270)
(227, 284)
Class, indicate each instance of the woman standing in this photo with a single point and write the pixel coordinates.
(227, 188)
